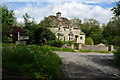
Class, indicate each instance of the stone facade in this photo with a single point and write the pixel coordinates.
(65, 31)
(94, 47)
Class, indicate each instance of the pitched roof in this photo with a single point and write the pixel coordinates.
(62, 20)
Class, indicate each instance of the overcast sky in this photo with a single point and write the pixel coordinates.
(97, 9)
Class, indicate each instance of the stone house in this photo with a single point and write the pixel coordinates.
(66, 31)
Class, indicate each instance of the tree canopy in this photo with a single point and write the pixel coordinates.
(112, 31)
(116, 9)
(8, 21)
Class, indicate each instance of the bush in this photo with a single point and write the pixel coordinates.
(31, 60)
(55, 43)
(89, 41)
(69, 43)
(60, 49)
(117, 57)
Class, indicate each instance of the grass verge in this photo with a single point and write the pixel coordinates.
(31, 60)
(94, 51)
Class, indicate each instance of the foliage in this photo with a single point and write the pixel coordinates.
(89, 41)
(55, 43)
(8, 16)
(15, 31)
(69, 43)
(47, 22)
(94, 51)
(44, 35)
(75, 45)
(76, 22)
(116, 9)
(97, 38)
(117, 57)
(31, 60)
(90, 26)
(59, 49)
(8, 20)
(38, 33)
(112, 31)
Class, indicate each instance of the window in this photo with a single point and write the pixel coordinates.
(70, 37)
(64, 29)
(59, 28)
(81, 37)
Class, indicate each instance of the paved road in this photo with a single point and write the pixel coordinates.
(88, 66)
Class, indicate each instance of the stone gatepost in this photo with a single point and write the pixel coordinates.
(72, 46)
(79, 46)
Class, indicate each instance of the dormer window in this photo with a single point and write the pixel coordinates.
(59, 28)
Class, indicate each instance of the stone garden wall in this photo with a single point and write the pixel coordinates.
(94, 47)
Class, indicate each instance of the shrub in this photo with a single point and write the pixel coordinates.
(31, 60)
(89, 41)
(69, 43)
(60, 49)
(55, 43)
(117, 57)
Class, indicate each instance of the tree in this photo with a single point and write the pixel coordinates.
(8, 21)
(47, 22)
(116, 9)
(92, 29)
(76, 22)
(44, 33)
(30, 26)
(97, 38)
(112, 31)
(15, 31)
(91, 26)
(8, 16)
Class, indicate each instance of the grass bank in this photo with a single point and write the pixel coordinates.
(94, 51)
(31, 60)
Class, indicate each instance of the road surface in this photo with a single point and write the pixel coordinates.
(88, 66)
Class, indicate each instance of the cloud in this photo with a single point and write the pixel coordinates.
(59, 0)
(68, 10)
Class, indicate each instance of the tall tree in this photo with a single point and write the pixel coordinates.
(44, 33)
(76, 22)
(8, 16)
(90, 26)
(116, 9)
(8, 21)
(112, 31)
(92, 29)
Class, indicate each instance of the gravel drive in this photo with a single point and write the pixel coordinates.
(88, 66)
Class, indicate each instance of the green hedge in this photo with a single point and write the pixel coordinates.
(31, 60)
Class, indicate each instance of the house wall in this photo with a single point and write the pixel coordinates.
(67, 31)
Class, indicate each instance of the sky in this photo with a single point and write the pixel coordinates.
(38, 9)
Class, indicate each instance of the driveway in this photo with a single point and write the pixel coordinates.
(88, 66)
